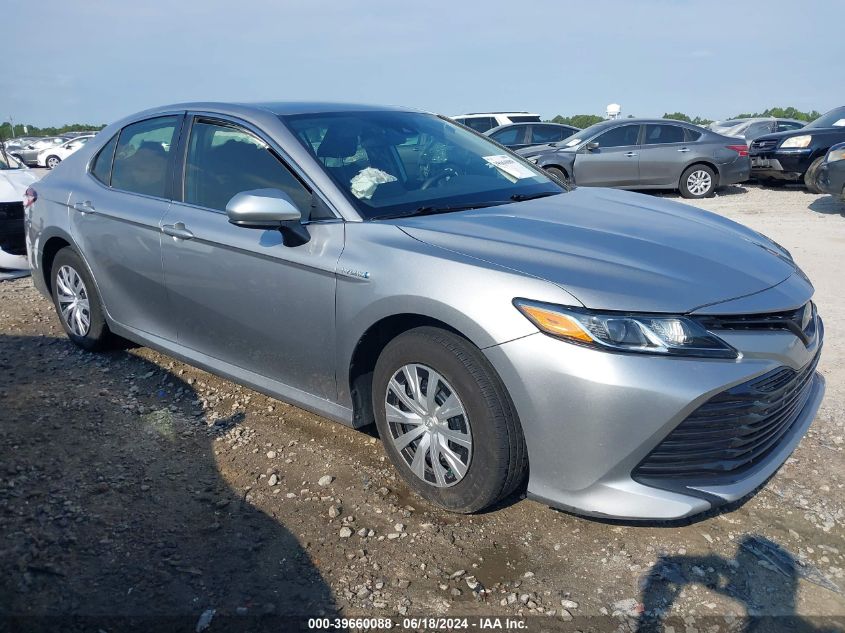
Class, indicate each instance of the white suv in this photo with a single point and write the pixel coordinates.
(483, 121)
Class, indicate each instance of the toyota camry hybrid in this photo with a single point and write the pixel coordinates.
(618, 354)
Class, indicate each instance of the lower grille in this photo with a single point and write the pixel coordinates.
(733, 431)
(12, 232)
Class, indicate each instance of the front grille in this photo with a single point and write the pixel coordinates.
(801, 322)
(733, 431)
(763, 145)
(12, 232)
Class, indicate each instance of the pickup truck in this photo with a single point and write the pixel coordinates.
(797, 155)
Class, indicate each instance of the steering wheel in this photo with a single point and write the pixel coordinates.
(448, 172)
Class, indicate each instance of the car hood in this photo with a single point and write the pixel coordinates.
(13, 184)
(813, 131)
(615, 250)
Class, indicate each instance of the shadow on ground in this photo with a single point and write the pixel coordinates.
(762, 578)
(828, 205)
(116, 520)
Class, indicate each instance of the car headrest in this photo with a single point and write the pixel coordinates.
(339, 142)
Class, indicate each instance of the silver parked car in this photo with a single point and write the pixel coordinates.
(646, 359)
(646, 154)
(29, 153)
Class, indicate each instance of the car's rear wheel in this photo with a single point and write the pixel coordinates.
(697, 181)
(558, 174)
(77, 302)
(446, 420)
(811, 176)
(52, 161)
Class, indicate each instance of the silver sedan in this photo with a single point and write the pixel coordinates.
(615, 354)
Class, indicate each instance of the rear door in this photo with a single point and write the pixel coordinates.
(614, 163)
(513, 136)
(239, 295)
(664, 154)
(115, 213)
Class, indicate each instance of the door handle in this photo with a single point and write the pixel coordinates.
(84, 207)
(177, 230)
(684, 149)
(631, 154)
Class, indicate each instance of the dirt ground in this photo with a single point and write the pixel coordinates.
(136, 490)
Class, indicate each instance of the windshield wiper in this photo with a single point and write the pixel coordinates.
(521, 197)
(432, 210)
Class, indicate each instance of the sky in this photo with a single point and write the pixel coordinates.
(92, 61)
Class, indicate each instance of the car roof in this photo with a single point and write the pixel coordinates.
(275, 107)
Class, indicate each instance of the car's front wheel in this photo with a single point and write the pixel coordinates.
(77, 302)
(446, 420)
(52, 161)
(559, 174)
(697, 181)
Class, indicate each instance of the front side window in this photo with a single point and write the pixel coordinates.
(662, 134)
(142, 156)
(101, 168)
(509, 136)
(619, 136)
(364, 154)
(548, 133)
(224, 160)
(787, 126)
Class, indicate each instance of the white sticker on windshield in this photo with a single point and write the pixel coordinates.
(839, 123)
(509, 166)
(364, 184)
(573, 142)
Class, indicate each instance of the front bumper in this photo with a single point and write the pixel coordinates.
(831, 178)
(781, 165)
(591, 417)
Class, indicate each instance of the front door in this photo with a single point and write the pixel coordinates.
(115, 213)
(239, 294)
(614, 163)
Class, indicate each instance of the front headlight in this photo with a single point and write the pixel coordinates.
(835, 155)
(797, 141)
(642, 333)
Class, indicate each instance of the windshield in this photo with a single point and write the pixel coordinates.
(391, 163)
(834, 118)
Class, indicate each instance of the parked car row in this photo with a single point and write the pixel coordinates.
(46, 151)
(668, 154)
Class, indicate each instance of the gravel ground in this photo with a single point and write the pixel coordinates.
(134, 485)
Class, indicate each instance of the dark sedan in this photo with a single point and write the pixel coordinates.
(519, 135)
(646, 154)
(831, 176)
(797, 156)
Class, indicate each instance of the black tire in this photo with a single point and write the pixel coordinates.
(97, 335)
(558, 174)
(55, 158)
(499, 459)
(684, 184)
(811, 175)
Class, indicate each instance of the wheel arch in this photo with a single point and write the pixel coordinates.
(367, 350)
(48, 254)
(706, 163)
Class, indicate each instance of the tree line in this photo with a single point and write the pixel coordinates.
(34, 130)
(586, 120)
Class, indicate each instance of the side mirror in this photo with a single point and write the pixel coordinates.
(591, 146)
(268, 209)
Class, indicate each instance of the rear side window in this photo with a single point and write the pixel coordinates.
(661, 134)
(101, 169)
(619, 136)
(224, 160)
(142, 156)
(691, 135)
(480, 123)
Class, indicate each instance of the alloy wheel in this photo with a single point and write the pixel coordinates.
(73, 301)
(52, 162)
(699, 182)
(428, 425)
